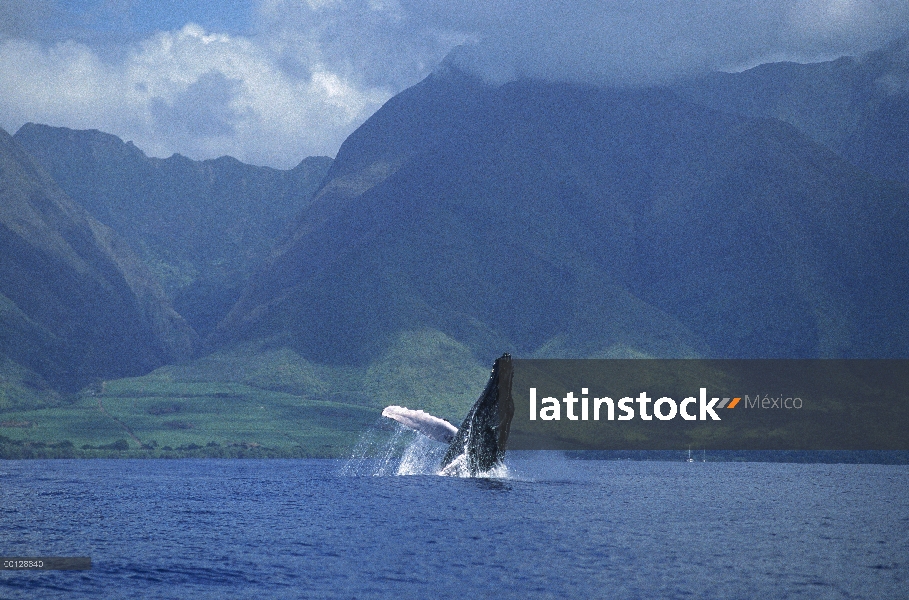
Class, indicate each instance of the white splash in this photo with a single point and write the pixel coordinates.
(421, 457)
(406, 452)
(458, 468)
(374, 453)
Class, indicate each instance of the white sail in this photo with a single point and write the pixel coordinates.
(423, 422)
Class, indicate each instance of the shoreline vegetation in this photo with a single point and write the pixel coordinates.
(121, 449)
(24, 450)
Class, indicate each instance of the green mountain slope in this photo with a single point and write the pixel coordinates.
(201, 226)
(75, 303)
(249, 401)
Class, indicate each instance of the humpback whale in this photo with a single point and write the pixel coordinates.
(479, 443)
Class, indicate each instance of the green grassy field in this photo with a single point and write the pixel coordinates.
(196, 420)
(248, 401)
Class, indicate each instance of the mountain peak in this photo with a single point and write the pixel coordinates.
(34, 135)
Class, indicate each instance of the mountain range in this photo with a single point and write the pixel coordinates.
(566, 220)
(202, 227)
(754, 214)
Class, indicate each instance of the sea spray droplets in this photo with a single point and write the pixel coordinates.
(458, 468)
(406, 452)
(373, 452)
(421, 457)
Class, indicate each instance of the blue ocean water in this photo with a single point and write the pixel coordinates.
(547, 527)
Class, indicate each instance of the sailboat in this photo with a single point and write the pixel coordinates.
(689, 455)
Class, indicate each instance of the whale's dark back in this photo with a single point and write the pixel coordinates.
(484, 433)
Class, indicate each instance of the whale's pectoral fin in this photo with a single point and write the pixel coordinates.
(422, 422)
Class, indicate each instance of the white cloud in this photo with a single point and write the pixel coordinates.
(823, 16)
(313, 70)
(187, 91)
(641, 42)
(373, 42)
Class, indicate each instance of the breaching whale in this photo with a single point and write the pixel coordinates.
(479, 443)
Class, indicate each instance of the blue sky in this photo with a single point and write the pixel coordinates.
(274, 81)
(142, 17)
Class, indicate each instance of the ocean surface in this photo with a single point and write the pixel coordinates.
(545, 527)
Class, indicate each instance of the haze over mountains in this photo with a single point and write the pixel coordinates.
(544, 219)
